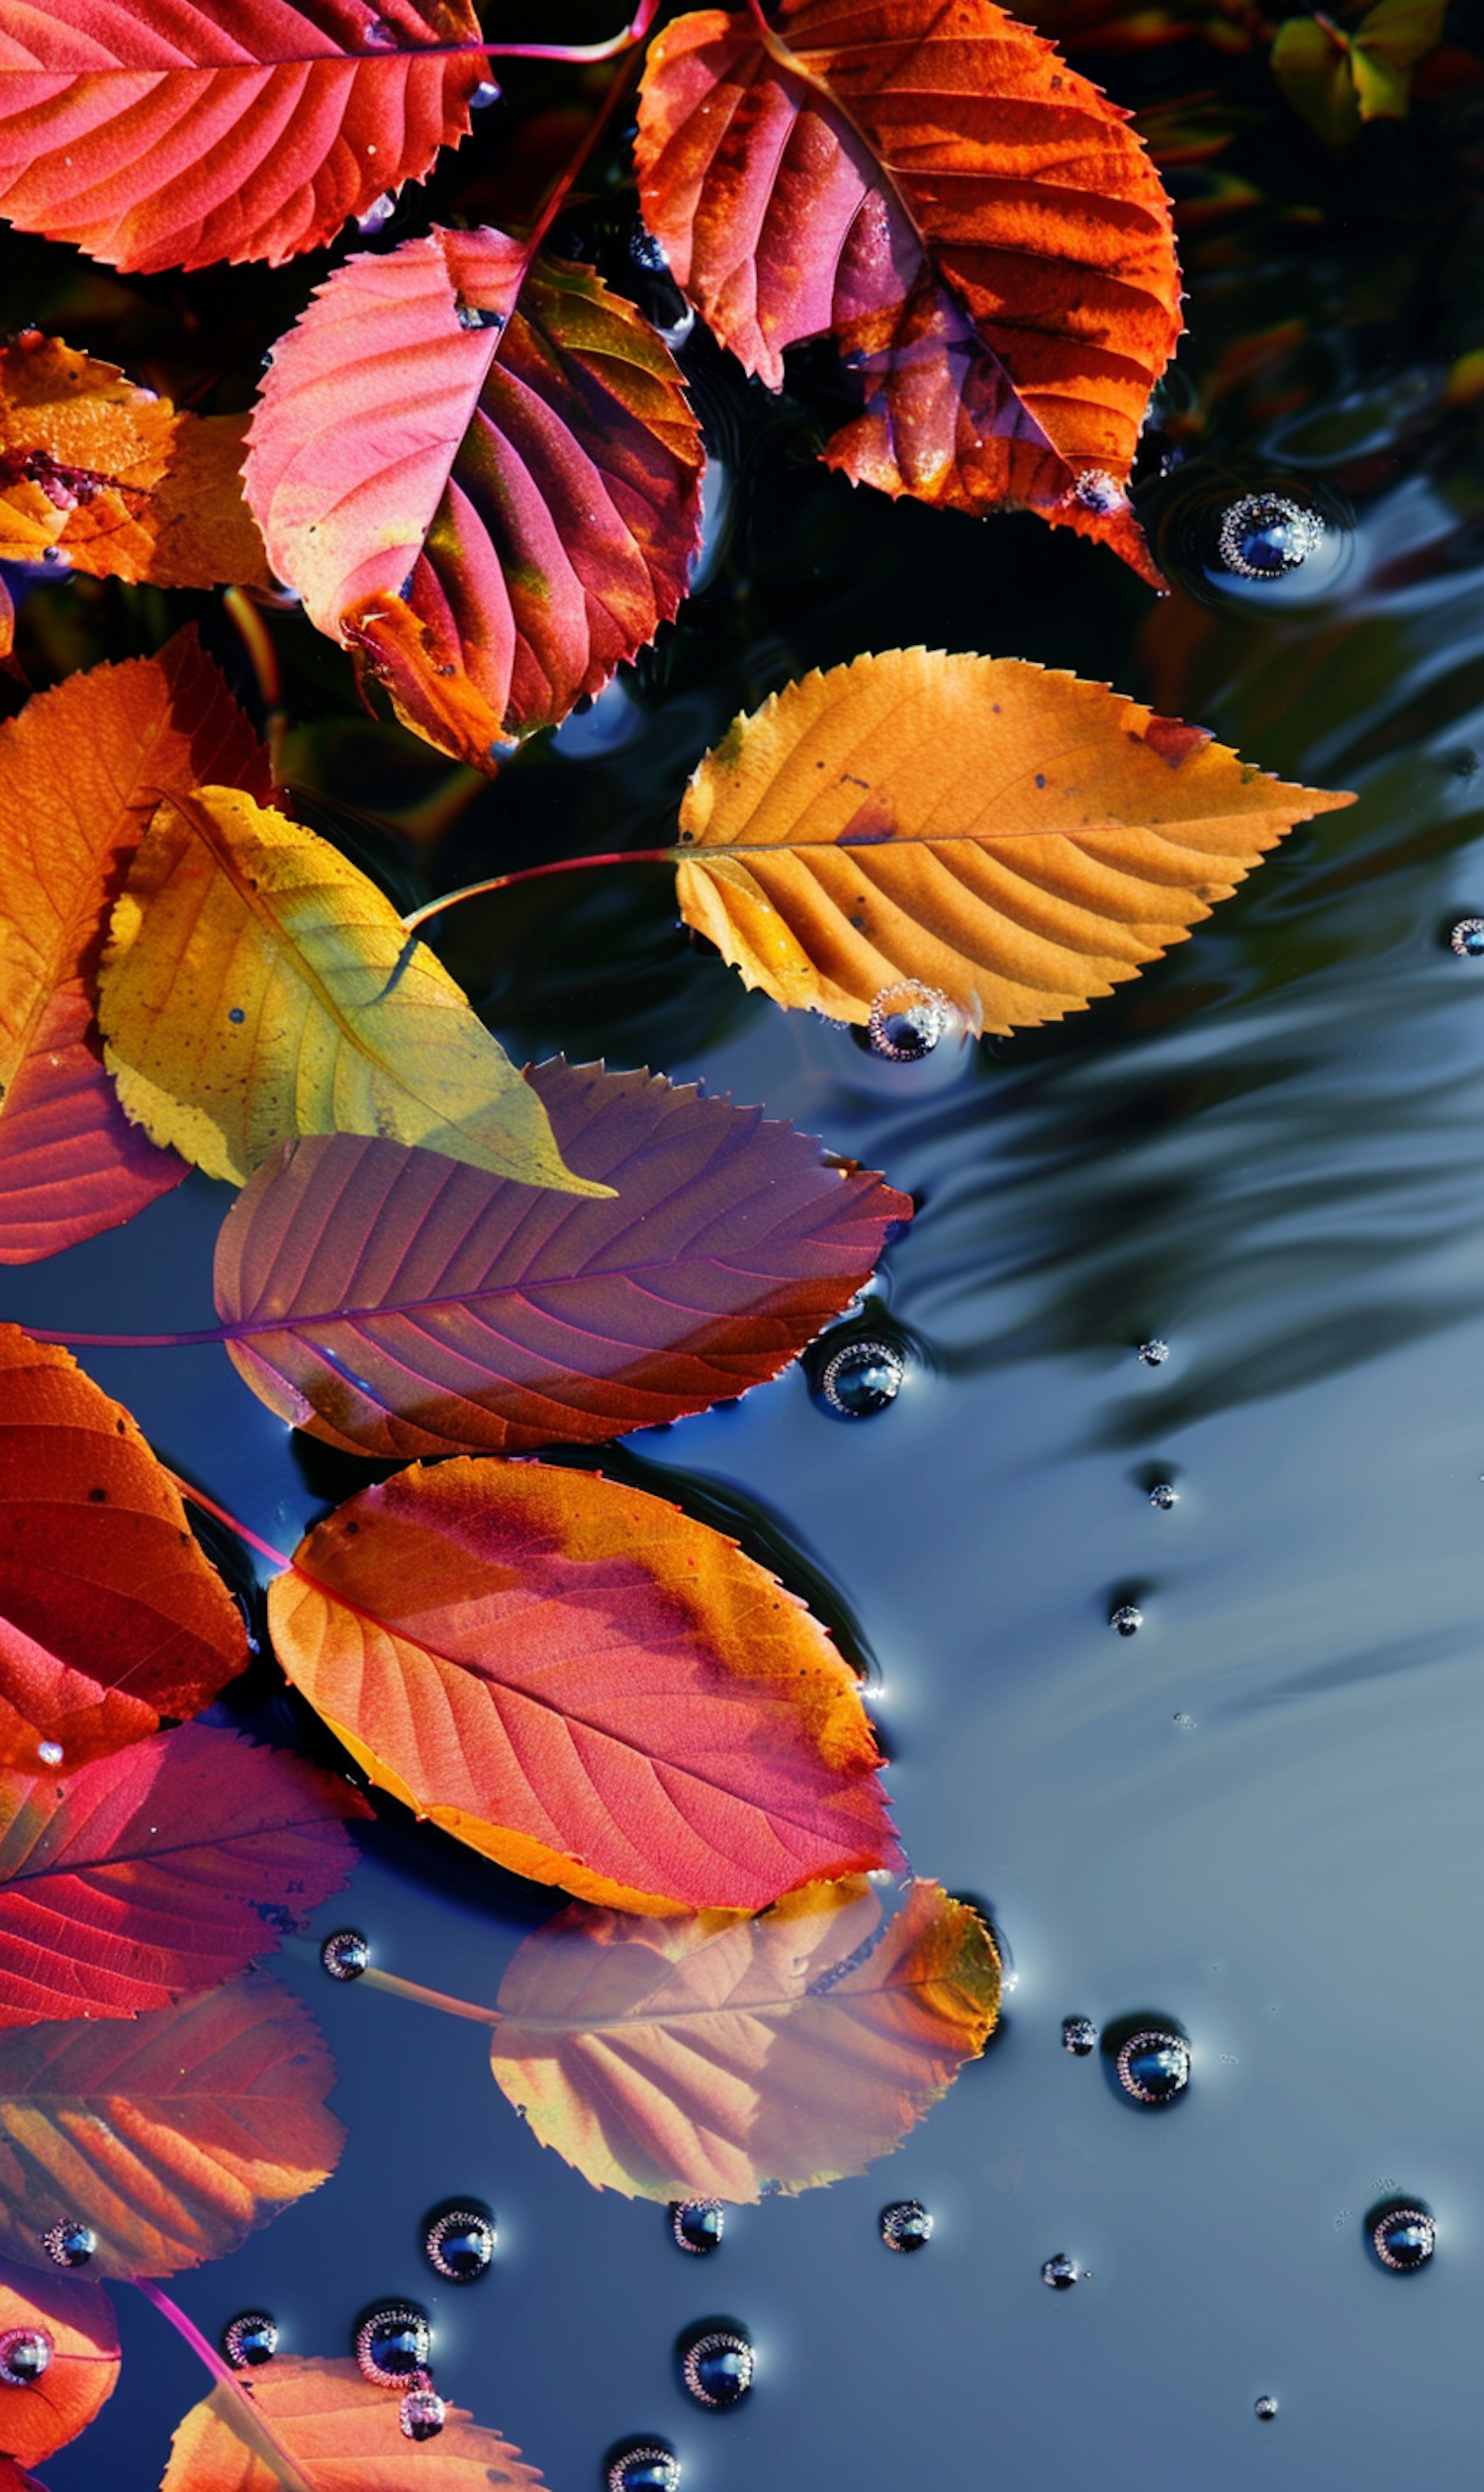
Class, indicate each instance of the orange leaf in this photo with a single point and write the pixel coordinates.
(585, 1685)
(978, 228)
(687, 2060)
(81, 770)
(340, 2435)
(171, 2137)
(40, 2415)
(112, 478)
(110, 1615)
(1019, 840)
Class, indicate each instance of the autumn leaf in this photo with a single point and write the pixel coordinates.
(169, 133)
(1017, 839)
(12, 2479)
(1336, 81)
(160, 1870)
(687, 2060)
(585, 1685)
(38, 2415)
(255, 986)
(81, 770)
(112, 477)
(977, 227)
(171, 2137)
(342, 2435)
(396, 1303)
(110, 1615)
(486, 481)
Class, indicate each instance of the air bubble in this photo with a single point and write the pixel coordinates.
(485, 94)
(1264, 2408)
(1404, 2238)
(1100, 492)
(907, 2225)
(1078, 2036)
(69, 2244)
(1060, 2272)
(421, 2414)
(1153, 2067)
(698, 2224)
(644, 2466)
(1279, 543)
(1265, 534)
(346, 1954)
(1154, 1352)
(1127, 1618)
(24, 2353)
(460, 2242)
(380, 213)
(908, 1020)
(1467, 939)
(717, 2367)
(236, 1014)
(50, 1753)
(860, 1379)
(393, 2344)
(1163, 1495)
(250, 2340)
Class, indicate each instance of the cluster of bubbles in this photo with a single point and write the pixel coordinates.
(907, 2225)
(1163, 1495)
(1127, 1618)
(1060, 2272)
(69, 2244)
(1282, 538)
(1262, 535)
(1078, 2036)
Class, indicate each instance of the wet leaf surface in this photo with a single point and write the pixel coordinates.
(40, 2415)
(340, 2434)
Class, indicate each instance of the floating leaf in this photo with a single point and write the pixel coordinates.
(1336, 81)
(680, 2060)
(340, 2434)
(487, 482)
(257, 985)
(1018, 839)
(169, 133)
(585, 1685)
(396, 1303)
(112, 477)
(172, 2137)
(160, 1870)
(110, 1615)
(978, 228)
(81, 770)
(41, 2415)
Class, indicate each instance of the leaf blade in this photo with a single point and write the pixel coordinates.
(83, 2370)
(340, 2433)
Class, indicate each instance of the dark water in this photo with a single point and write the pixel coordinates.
(1259, 1815)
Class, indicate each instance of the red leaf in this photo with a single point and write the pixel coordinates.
(160, 1870)
(110, 1615)
(486, 481)
(585, 1685)
(397, 1303)
(174, 2136)
(40, 2415)
(81, 770)
(978, 226)
(13, 2480)
(168, 134)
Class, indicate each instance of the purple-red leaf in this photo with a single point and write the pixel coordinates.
(397, 1303)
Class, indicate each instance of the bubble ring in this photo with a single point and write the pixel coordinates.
(15, 2344)
(681, 2208)
(646, 2454)
(389, 2315)
(718, 2340)
(421, 2414)
(235, 2334)
(907, 2226)
(1396, 2216)
(459, 2219)
(1153, 2040)
(69, 2244)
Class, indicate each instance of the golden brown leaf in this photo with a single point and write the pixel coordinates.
(338, 2433)
(1017, 839)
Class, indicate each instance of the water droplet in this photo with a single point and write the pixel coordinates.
(907, 2225)
(1078, 2036)
(1154, 1352)
(346, 1954)
(1126, 1620)
(1155, 2067)
(421, 2414)
(236, 1014)
(485, 94)
(1264, 2408)
(250, 2340)
(908, 1020)
(644, 2466)
(460, 2242)
(717, 2367)
(1164, 1495)
(69, 2244)
(393, 2344)
(380, 213)
(1100, 492)
(49, 1752)
(24, 2353)
(1265, 534)
(862, 1378)
(698, 2224)
(1404, 2239)
(1467, 939)
(1061, 2272)
(469, 316)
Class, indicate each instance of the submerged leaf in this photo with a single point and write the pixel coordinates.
(487, 481)
(396, 1303)
(977, 228)
(172, 2136)
(40, 2415)
(257, 985)
(110, 1615)
(585, 1685)
(160, 1871)
(683, 2060)
(340, 2435)
(1018, 839)
(81, 770)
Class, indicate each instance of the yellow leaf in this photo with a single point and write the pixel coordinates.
(1019, 840)
(256, 986)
